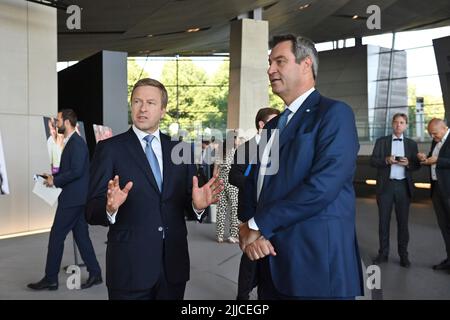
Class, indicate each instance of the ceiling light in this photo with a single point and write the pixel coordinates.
(149, 35)
(355, 17)
(193, 30)
(422, 185)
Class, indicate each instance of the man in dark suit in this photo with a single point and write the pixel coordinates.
(395, 157)
(439, 161)
(303, 205)
(147, 254)
(73, 178)
(246, 157)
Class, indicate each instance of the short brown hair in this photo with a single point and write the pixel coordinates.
(404, 116)
(69, 114)
(153, 83)
(263, 114)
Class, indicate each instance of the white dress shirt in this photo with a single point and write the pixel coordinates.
(294, 106)
(398, 150)
(157, 149)
(435, 153)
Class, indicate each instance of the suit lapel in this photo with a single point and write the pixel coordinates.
(389, 145)
(167, 163)
(135, 148)
(406, 146)
(308, 108)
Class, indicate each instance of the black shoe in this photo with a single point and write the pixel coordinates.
(92, 281)
(404, 262)
(444, 265)
(43, 284)
(380, 259)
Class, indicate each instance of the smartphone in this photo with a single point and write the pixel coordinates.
(42, 176)
(397, 158)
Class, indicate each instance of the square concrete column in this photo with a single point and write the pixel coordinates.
(249, 84)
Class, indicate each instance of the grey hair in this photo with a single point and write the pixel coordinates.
(301, 48)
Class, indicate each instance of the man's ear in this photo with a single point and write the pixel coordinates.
(261, 124)
(308, 63)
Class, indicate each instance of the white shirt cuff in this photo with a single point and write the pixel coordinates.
(252, 224)
(111, 217)
(197, 212)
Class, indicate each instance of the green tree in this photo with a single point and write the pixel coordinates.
(198, 98)
(433, 108)
(218, 97)
(275, 101)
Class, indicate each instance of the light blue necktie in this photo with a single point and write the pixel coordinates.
(151, 157)
(283, 119)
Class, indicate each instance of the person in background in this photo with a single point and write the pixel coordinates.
(239, 172)
(229, 196)
(73, 178)
(439, 162)
(395, 157)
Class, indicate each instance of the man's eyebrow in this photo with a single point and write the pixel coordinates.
(278, 57)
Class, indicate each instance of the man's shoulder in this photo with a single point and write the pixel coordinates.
(410, 141)
(118, 139)
(383, 138)
(334, 105)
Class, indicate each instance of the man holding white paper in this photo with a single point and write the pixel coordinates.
(73, 178)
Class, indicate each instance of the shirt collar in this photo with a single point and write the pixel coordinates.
(257, 138)
(296, 104)
(395, 137)
(68, 137)
(142, 134)
(445, 136)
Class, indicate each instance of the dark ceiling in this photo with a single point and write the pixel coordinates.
(158, 27)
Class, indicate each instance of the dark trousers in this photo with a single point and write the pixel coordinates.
(395, 195)
(162, 290)
(267, 290)
(66, 220)
(441, 205)
(247, 277)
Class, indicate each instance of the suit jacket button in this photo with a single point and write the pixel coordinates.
(160, 229)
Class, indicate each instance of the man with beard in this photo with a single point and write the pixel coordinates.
(73, 178)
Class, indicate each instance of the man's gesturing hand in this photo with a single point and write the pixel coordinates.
(116, 196)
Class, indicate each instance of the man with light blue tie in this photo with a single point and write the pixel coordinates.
(303, 226)
(395, 158)
(141, 193)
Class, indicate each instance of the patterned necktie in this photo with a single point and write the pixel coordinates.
(283, 119)
(151, 157)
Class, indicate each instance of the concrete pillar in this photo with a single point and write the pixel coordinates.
(249, 84)
(28, 91)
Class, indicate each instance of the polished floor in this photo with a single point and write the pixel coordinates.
(214, 267)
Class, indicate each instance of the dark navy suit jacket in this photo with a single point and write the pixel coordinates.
(73, 176)
(307, 209)
(135, 242)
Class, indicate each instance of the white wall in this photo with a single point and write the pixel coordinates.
(28, 91)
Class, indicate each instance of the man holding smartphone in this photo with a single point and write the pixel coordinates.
(394, 156)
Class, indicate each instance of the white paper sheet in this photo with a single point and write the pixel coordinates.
(49, 195)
